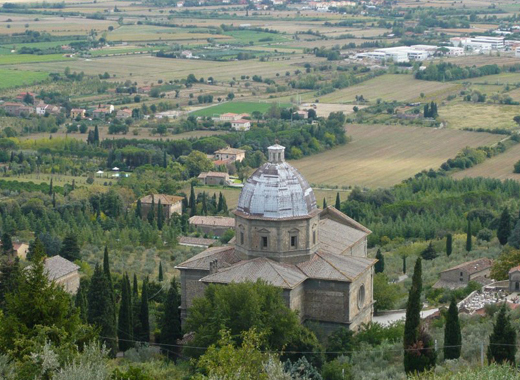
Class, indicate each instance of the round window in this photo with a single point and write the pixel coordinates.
(361, 296)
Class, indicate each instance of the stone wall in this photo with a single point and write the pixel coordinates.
(69, 282)
(514, 281)
(168, 210)
(191, 288)
(326, 301)
(361, 304)
(250, 232)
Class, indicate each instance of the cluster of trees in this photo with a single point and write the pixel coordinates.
(445, 71)
(426, 208)
(430, 110)
(419, 352)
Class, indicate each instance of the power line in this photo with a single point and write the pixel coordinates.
(311, 352)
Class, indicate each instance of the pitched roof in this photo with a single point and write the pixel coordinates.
(327, 266)
(282, 275)
(338, 232)
(213, 174)
(225, 256)
(219, 221)
(473, 266)
(515, 269)
(229, 150)
(241, 121)
(201, 242)
(57, 267)
(165, 199)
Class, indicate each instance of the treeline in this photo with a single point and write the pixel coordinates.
(426, 208)
(445, 71)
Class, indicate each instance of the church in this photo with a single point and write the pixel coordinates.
(317, 257)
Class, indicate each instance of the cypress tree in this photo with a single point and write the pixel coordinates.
(138, 208)
(51, 188)
(161, 276)
(418, 354)
(220, 202)
(9, 275)
(380, 265)
(101, 309)
(184, 204)
(144, 330)
(96, 135)
(151, 212)
(338, 202)
(125, 328)
(70, 248)
(7, 244)
(193, 204)
(426, 110)
(73, 184)
(449, 244)
(171, 321)
(502, 341)
(468, 237)
(404, 264)
(504, 227)
(324, 203)
(54, 200)
(429, 253)
(36, 250)
(160, 215)
(452, 334)
(135, 292)
(204, 204)
(81, 301)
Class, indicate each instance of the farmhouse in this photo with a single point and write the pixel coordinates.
(459, 276)
(63, 272)
(230, 154)
(214, 178)
(42, 109)
(171, 204)
(241, 125)
(232, 116)
(124, 114)
(317, 257)
(212, 225)
(17, 109)
(75, 112)
(21, 250)
(514, 279)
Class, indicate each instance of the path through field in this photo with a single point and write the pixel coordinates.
(384, 155)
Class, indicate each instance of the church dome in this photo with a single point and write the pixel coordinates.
(276, 190)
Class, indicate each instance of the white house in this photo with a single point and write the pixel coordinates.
(241, 125)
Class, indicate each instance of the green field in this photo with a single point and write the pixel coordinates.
(39, 45)
(30, 58)
(235, 107)
(14, 78)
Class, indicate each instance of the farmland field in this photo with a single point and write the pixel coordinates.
(14, 78)
(235, 107)
(500, 167)
(146, 69)
(478, 115)
(14, 59)
(381, 156)
(391, 87)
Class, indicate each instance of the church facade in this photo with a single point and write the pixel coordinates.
(317, 257)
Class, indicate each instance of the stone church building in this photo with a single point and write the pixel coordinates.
(317, 257)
